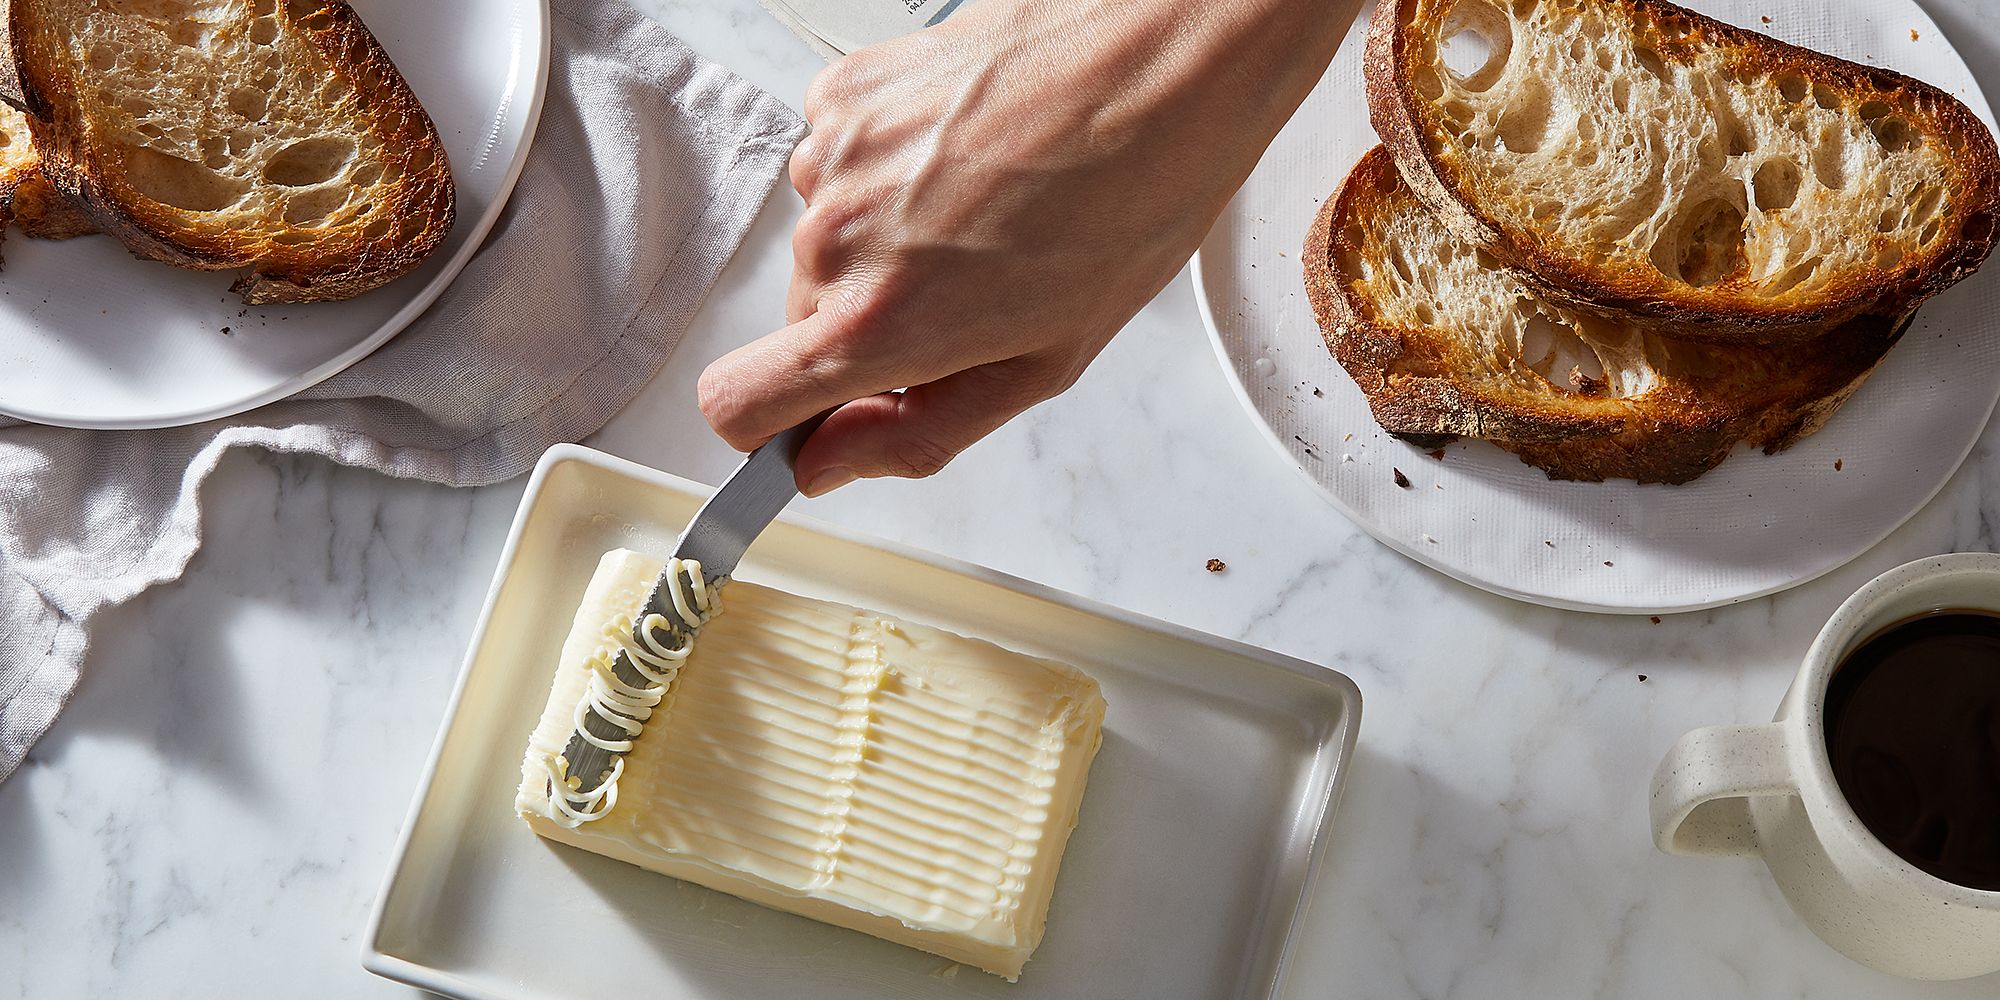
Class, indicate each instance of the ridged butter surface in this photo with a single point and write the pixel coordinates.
(887, 777)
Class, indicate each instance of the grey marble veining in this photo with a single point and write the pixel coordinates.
(214, 813)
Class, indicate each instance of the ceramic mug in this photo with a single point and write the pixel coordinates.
(1769, 791)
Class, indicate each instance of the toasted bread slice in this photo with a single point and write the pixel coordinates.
(1635, 155)
(26, 197)
(1446, 343)
(225, 134)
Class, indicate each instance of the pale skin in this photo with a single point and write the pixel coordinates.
(990, 200)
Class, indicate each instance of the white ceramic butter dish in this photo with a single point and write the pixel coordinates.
(1206, 813)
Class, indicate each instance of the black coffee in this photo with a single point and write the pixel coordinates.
(1913, 728)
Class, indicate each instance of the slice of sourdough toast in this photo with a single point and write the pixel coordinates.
(1446, 343)
(26, 197)
(1638, 156)
(272, 135)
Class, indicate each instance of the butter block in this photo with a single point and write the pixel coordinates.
(882, 776)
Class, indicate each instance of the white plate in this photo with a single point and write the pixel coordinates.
(91, 337)
(1753, 526)
(1203, 822)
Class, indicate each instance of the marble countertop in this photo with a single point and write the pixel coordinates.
(214, 813)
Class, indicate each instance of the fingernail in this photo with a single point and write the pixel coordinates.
(830, 480)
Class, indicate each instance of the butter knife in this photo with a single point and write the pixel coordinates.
(720, 533)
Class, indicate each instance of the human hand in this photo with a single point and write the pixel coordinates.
(990, 200)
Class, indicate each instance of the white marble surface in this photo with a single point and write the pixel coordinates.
(213, 815)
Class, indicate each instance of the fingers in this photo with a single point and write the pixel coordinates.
(769, 384)
(913, 434)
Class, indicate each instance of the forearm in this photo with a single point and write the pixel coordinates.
(1242, 66)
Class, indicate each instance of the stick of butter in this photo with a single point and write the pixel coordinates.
(890, 778)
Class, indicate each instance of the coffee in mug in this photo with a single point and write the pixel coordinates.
(1913, 735)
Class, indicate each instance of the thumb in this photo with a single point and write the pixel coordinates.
(916, 432)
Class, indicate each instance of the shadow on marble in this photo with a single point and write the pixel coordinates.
(179, 697)
(23, 869)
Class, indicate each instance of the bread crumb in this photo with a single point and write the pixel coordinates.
(1350, 437)
(1401, 480)
(1837, 463)
(1913, 34)
(1346, 457)
(1318, 394)
(1215, 566)
(1656, 619)
(1430, 539)
(1767, 19)
(1548, 543)
(1586, 384)
(1607, 562)
(1642, 678)
(225, 331)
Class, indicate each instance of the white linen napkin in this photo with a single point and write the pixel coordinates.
(647, 168)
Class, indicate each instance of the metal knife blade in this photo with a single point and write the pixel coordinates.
(720, 533)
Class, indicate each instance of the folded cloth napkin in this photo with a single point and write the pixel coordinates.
(648, 166)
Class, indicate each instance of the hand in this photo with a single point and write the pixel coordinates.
(990, 200)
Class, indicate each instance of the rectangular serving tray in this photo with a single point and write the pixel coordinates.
(1205, 816)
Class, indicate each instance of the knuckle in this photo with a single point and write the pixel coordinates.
(717, 395)
(805, 166)
(825, 234)
(829, 89)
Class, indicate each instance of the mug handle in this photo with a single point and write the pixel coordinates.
(1701, 791)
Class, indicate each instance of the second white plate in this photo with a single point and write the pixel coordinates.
(91, 337)
(1756, 525)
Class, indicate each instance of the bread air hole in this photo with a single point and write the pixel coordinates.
(1928, 201)
(1478, 39)
(177, 183)
(1825, 97)
(1793, 278)
(1554, 351)
(1830, 161)
(1705, 245)
(1525, 122)
(1776, 185)
(264, 31)
(1793, 87)
(310, 161)
(249, 103)
(1894, 134)
(1651, 62)
(189, 33)
(1978, 229)
(1429, 86)
(314, 205)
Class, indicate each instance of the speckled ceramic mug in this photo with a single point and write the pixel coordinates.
(1769, 791)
